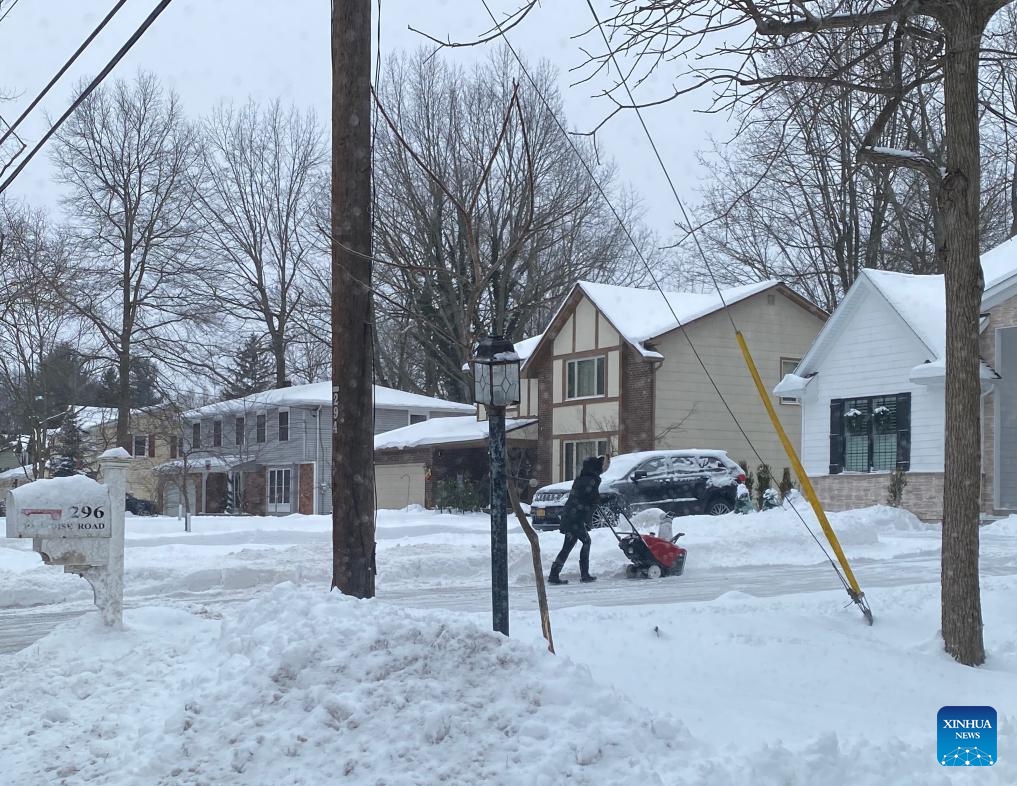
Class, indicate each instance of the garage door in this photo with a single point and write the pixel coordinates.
(399, 485)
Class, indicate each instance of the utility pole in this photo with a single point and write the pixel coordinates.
(353, 566)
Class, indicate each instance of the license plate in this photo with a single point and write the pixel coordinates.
(538, 513)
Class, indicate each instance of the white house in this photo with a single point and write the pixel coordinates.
(872, 391)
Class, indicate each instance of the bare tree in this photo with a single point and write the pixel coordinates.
(449, 155)
(126, 156)
(911, 43)
(257, 191)
(43, 358)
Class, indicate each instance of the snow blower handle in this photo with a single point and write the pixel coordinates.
(675, 538)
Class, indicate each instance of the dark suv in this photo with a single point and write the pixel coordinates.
(680, 482)
(138, 506)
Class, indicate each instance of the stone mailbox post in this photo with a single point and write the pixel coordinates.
(79, 523)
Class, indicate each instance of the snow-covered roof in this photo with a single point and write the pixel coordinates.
(640, 315)
(1000, 263)
(919, 300)
(442, 431)
(319, 394)
(17, 472)
(91, 417)
(197, 463)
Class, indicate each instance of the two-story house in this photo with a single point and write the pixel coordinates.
(621, 369)
(270, 453)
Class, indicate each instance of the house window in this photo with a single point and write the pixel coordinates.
(217, 434)
(579, 451)
(585, 378)
(417, 418)
(284, 426)
(871, 434)
(788, 366)
(240, 430)
(196, 435)
(140, 446)
(259, 428)
(174, 448)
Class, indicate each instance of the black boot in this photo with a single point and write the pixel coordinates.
(555, 578)
(584, 571)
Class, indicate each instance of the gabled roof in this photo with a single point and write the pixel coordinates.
(999, 270)
(319, 394)
(920, 302)
(641, 315)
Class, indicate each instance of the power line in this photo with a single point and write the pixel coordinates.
(646, 264)
(84, 45)
(88, 90)
(856, 596)
(9, 9)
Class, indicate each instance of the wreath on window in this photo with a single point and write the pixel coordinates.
(855, 422)
(882, 419)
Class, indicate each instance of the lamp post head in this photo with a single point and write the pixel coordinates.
(496, 373)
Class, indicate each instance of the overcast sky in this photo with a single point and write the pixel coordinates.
(230, 50)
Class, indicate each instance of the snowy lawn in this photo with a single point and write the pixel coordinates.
(299, 686)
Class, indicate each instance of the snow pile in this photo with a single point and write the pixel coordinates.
(1007, 526)
(301, 686)
(779, 537)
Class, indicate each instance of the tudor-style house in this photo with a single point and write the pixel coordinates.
(617, 371)
(873, 393)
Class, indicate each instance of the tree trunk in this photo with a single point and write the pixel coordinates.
(124, 353)
(959, 201)
(353, 565)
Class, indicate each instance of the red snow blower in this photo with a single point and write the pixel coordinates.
(651, 556)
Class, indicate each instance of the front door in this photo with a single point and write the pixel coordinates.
(279, 491)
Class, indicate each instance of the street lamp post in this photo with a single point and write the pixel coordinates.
(496, 386)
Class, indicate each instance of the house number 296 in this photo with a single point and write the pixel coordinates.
(84, 511)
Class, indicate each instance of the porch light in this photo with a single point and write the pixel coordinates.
(496, 373)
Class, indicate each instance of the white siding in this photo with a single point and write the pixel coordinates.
(873, 356)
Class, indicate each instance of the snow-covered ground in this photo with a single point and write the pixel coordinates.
(746, 670)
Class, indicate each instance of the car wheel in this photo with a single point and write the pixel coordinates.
(717, 507)
(604, 516)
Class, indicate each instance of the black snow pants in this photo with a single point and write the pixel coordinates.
(570, 543)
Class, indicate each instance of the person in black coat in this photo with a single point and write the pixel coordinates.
(577, 517)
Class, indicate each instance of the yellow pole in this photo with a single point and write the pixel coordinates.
(803, 479)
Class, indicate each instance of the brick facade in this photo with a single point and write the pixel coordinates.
(545, 393)
(636, 408)
(1003, 315)
(923, 494)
